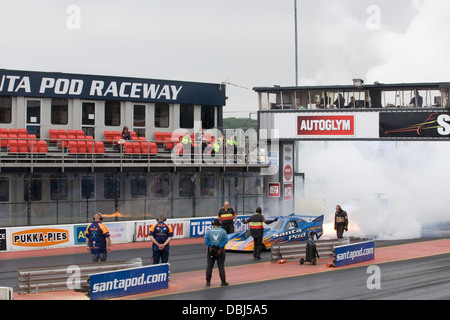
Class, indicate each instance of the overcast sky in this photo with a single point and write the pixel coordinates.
(247, 42)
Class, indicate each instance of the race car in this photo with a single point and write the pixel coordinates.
(287, 229)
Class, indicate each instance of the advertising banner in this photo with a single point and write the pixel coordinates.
(3, 246)
(354, 253)
(77, 86)
(274, 190)
(198, 227)
(117, 232)
(129, 281)
(325, 125)
(427, 124)
(179, 227)
(40, 237)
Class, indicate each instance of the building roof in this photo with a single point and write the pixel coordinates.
(381, 86)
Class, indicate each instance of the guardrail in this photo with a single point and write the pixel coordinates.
(297, 250)
(57, 278)
(116, 156)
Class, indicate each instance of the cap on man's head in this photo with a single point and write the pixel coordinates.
(216, 222)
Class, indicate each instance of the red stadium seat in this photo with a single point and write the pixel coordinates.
(136, 147)
(4, 140)
(81, 145)
(63, 143)
(13, 146)
(53, 133)
(153, 148)
(108, 136)
(23, 146)
(133, 135)
(99, 147)
(42, 146)
(144, 147)
(159, 137)
(72, 147)
(127, 147)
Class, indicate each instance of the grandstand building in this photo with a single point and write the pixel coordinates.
(63, 158)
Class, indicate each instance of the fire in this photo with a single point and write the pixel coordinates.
(116, 214)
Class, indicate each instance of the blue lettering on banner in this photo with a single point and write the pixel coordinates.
(354, 253)
(129, 281)
(198, 227)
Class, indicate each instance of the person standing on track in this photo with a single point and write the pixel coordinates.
(227, 217)
(256, 223)
(98, 241)
(340, 221)
(216, 238)
(160, 235)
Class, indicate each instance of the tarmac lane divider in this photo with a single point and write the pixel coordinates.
(131, 281)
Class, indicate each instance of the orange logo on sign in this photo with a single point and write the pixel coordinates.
(40, 237)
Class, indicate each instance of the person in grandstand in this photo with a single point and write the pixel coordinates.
(216, 238)
(126, 135)
(160, 235)
(227, 217)
(340, 221)
(98, 241)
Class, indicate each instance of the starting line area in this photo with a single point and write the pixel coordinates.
(237, 275)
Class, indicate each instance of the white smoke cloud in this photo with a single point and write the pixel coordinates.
(390, 190)
(420, 53)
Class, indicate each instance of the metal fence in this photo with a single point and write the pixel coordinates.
(296, 251)
(58, 278)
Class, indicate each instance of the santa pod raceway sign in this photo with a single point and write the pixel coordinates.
(129, 281)
(324, 125)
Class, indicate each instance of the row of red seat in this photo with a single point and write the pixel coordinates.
(27, 146)
(140, 147)
(75, 141)
(19, 141)
(82, 146)
(115, 136)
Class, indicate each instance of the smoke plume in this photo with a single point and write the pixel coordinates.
(390, 190)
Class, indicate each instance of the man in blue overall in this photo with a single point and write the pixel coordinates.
(98, 241)
(160, 235)
(216, 238)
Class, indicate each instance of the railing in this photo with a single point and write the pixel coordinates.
(57, 278)
(297, 250)
(143, 153)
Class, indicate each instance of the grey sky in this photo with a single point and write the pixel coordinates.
(248, 42)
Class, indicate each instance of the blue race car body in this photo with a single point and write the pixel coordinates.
(287, 229)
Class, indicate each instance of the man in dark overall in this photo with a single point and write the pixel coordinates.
(160, 235)
(340, 221)
(227, 217)
(98, 241)
(256, 223)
